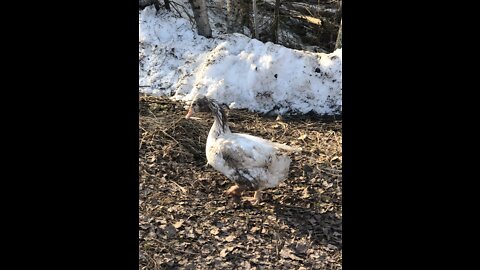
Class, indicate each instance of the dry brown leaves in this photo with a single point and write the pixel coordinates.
(186, 223)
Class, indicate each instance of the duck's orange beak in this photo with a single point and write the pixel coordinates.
(189, 113)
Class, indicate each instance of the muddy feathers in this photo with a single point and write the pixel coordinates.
(251, 162)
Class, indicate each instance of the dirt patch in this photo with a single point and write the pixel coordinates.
(187, 223)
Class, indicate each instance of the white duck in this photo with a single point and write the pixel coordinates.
(251, 162)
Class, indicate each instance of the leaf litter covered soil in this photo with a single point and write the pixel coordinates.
(186, 222)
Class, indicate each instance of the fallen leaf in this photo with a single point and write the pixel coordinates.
(335, 158)
(288, 254)
(302, 137)
(190, 234)
(152, 158)
(254, 229)
(301, 247)
(151, 235)
(214, 231)
(230, 238)
(327, 184)
(169, 229)
(223, 253)
(330, 246)
(305, 193)
(178, 224)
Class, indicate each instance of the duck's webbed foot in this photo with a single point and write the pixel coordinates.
(235, 191)
(256, 199)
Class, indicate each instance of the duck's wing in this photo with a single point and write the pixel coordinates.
(278, 146)
(250, 161)
(244, 152)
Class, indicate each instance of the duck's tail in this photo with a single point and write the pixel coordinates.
(281, 146)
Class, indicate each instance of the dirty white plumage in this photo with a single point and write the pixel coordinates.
(251, 162)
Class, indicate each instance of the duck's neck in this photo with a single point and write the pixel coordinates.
(220, 125)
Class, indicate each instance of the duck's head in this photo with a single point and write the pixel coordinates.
(200, 104)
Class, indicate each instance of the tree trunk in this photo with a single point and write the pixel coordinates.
(167, 4)
(200, 14)
(338, 44)
(238, 15)
(255, 26)
(339, 13)
(144, 3)
(156, 3)
(276, 21)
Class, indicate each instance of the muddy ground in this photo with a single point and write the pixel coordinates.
(187, 223)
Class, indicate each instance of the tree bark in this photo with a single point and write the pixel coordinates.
(238, 15)
(200, 14)
(156, 3)
(255, 26)
(338, 44)
(144, 3)
(339, 13)
(276, 21)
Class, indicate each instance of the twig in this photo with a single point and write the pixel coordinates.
(142, 140)
(165, 58)
(331, 169)
(332, 174)
(141, 143)
(168, 135)
(174, 124)
(185, 10)
(172, 248)
(184, 190)
(154, 116)
(179, 13)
